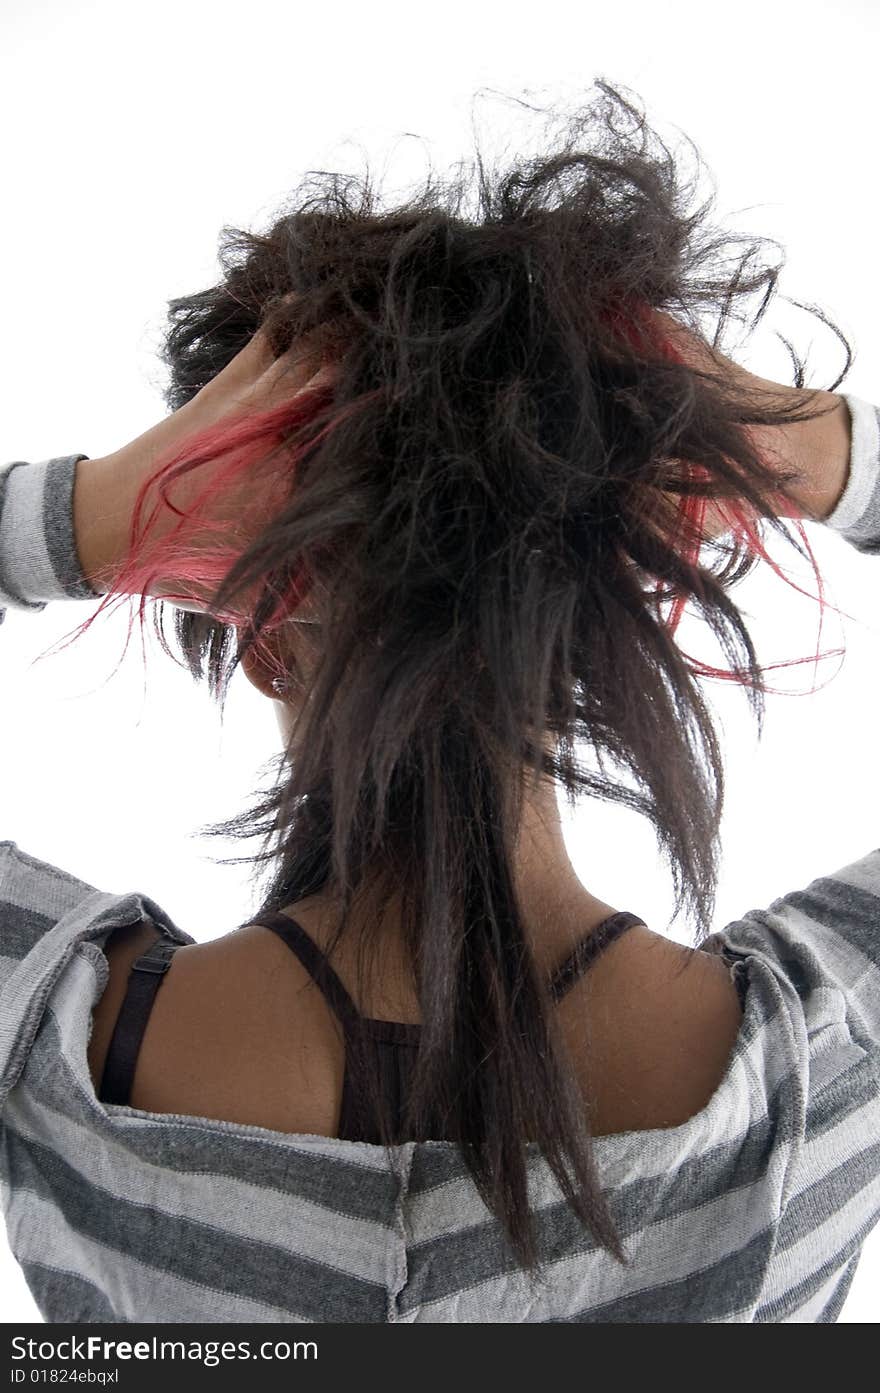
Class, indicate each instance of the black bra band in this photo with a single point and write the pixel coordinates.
(144, 981)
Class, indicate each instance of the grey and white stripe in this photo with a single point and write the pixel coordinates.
(38, 556)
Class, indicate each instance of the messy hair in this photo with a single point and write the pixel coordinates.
(472, 508)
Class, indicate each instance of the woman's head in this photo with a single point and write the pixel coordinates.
(471, 514)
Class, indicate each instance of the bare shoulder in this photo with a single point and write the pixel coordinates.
(685, 990)
(194, 966)
(646, 963)
(662, 1022)
(234, 1033)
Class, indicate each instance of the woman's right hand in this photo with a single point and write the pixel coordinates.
(255, 380)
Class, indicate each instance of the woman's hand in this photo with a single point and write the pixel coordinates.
(819, 448)
(106, 488)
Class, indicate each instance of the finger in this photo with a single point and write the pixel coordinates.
(285, 379)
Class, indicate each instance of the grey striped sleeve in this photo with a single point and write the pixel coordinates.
(38, 557)
(857, 514)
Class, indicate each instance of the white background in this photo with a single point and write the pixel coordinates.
(132, 134)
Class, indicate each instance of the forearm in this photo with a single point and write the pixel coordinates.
(832, 447)
(820, 449)
(838, 455)
(101, 519)
(64, 528)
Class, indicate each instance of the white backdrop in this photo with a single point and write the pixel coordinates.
(133, 134)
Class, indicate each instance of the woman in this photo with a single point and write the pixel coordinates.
(442, 486)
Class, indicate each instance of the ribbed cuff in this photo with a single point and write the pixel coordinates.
(38, 557)
(857, 514)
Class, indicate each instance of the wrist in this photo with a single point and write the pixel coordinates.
(856, 512)
(822, 449)
(100, 521)
(38, 558)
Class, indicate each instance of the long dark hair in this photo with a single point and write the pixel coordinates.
(475, 506)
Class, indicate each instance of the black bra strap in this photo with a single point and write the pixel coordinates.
(144, 981)
(316, 964)
(588, 949)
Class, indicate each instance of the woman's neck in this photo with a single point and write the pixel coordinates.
(557, 909)
(554, 920)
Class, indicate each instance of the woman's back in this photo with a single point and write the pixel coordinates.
(649, 1030)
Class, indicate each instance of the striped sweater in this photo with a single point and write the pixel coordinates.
(754, 1210)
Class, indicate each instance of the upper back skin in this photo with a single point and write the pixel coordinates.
(239, 1031)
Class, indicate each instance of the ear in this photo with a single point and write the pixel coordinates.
(258, 671)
